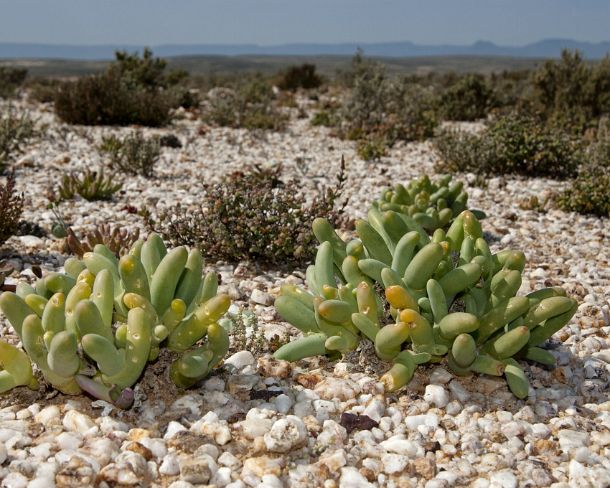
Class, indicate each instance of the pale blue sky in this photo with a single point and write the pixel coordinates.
(509, 22)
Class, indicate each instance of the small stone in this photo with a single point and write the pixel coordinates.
(229, 460)
(352, 478)
(503, 479)
(14, 480)
(240, 360)
(572, 439)
(198, 470)
(69, 441)
(169, 465)
(425, 467)
(172, 429)
(283, 403)
(222, 477)
(286, 434)
(437, 395)
(3, 453)
(77, 422)
(440, 376)
(261, 297)
(394, 463)
(375, 410)
(47, 415)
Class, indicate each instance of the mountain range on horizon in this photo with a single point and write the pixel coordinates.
(547, 48)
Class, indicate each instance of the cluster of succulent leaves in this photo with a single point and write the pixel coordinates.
(10, 80)
(248, 104)
(118, 239)
(11, 207)
(14, 131)
(91, 185)
(132, 90)
(95, 327)
(514, 144)
(252, 216)
(450, 298)
(134, 154)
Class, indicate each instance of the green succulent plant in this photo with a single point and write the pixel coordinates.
(91, 185)
(95, 327)
(449, 298)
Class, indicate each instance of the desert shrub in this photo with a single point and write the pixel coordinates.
(14, 132)
(371, 149)
(133, 90)
(11, 206)
(10, 80)
(252, 216)
(571, 92)
(325, 118)
(302, 76)
(133, 154)
(249, 105)
(589, 193)
(513, 144)
(386, 108)
(91, 185)
(470, 98)
(170, 140)
(42, 90)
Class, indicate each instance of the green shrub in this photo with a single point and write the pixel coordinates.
(170, 140)
(371, 149)
(91, 185)
(387, 108)
(251, 216)
(302, 76)
(43, 90)
(10, 80)
(11, 206)
(470, 98)
(249, 105)
(571, 92)
(325, 118)
(589, 193)
(134, 154)
(513, 144)
(133, 90)
(14, 132)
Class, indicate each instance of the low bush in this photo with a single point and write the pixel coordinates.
(117, 239)
(571, 92)
(11, 206)
(10, 80)
(91, 185)
(302, 76)
(389, 109)
(14, 132)
(170, 140)
(470, 98)
(133, 90)
(43, 90)
(252, 216)
(371, 149)
(249, 105)
(589, 193)
(133, 154)
(513, 144)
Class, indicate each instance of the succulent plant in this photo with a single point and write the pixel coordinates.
(448, 296)
(91, 185)
(96, 326)
(430, 204)
(118, 239)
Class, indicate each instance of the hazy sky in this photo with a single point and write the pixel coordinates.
(151, 22)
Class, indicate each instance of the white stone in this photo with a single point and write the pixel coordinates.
(3, 453)
(222, 477)
(351, 478)
(394, 463)
(437, 395)
(14, 480)
(169, 465)
(286, 434)
(77, 422)
(503, 479)
(572, 439)
(261, 297)
(172, 429)
(440, 376)
(257, 422)
(229, 460)
(47, 415)
(283, 403)
(414, 421)
(69, 441)
(240, 360)
(375, 410)
(399, 445)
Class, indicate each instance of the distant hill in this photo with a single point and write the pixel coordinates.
(547, 48)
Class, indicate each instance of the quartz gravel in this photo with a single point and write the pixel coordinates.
(441, 431)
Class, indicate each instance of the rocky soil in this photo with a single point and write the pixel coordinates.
(261, 423)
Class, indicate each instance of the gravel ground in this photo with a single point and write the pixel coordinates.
(261, 423)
